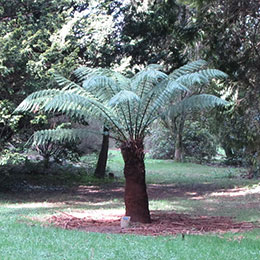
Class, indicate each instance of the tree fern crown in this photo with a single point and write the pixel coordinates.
(128, 105)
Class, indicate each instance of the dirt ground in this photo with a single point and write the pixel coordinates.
(163, 222)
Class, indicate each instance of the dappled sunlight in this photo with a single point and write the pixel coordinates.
(167, 205)
(101, 214)
(163, 223)
(242, 191)
(34, 205)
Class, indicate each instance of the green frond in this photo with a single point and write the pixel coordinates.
(67, 84)
(171, 88)
(188, 68)
(120, 80)
(192, 79)
(213, 74)
(83, 72)
(154, 67)
(122, 97)
(60, 135)
(68, 101)
(201, 77)
(102, 86)
(195, 103)
(36, 100)
(143, 82)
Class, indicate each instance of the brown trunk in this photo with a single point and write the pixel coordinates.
(136, 199)
(178, 156)
(100, 171)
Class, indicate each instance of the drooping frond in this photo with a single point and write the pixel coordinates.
(60, 135)
(83, 72)
(201, 77)
(143, 82)
(102, 86)
(213, 74)
(65, 83)
(70, 102)
(122, 97)
(188, 68)
(171, 88)
(128, 105)
(35, 101)
(195, 103)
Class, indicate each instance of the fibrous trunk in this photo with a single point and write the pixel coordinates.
(136, 199)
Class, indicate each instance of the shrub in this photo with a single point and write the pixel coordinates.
(198, 144)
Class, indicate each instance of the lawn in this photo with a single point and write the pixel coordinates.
(190, 189)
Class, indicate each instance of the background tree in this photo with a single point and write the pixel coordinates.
(230, 41)
(157, 32)
(38, 37)
(128, 105)
(186, 104)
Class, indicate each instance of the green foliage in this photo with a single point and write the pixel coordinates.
(29, 50)
(10, 157)
(8, 121)
(198, 144)
(162, 144)
(230, 40)
(128, 105)
(157, 32)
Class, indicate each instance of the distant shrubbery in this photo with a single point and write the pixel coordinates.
(198, 144)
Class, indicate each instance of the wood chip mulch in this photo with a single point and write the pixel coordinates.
(163, 223)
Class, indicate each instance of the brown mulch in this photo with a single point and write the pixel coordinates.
(163, 223)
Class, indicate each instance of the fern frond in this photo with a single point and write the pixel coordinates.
(123, 96)
(172, 87)
(36, 100)
(69, 103)
(188, 68)
(144, 81)
(201, 77)
(213, 74)
(83, 73)
(195, 103)
(101, 86)
(60, 135)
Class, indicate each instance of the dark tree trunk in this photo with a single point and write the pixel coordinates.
(136, 199)
(178, 155)
(100, 171)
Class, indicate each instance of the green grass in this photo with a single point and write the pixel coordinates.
(21, 238)
(190, 174)
(22, 241)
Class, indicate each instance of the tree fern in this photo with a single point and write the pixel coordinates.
(129, 105)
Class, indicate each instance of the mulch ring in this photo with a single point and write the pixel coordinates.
(163, 223)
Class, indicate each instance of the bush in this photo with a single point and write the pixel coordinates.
(198, 144)
(162, 144)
